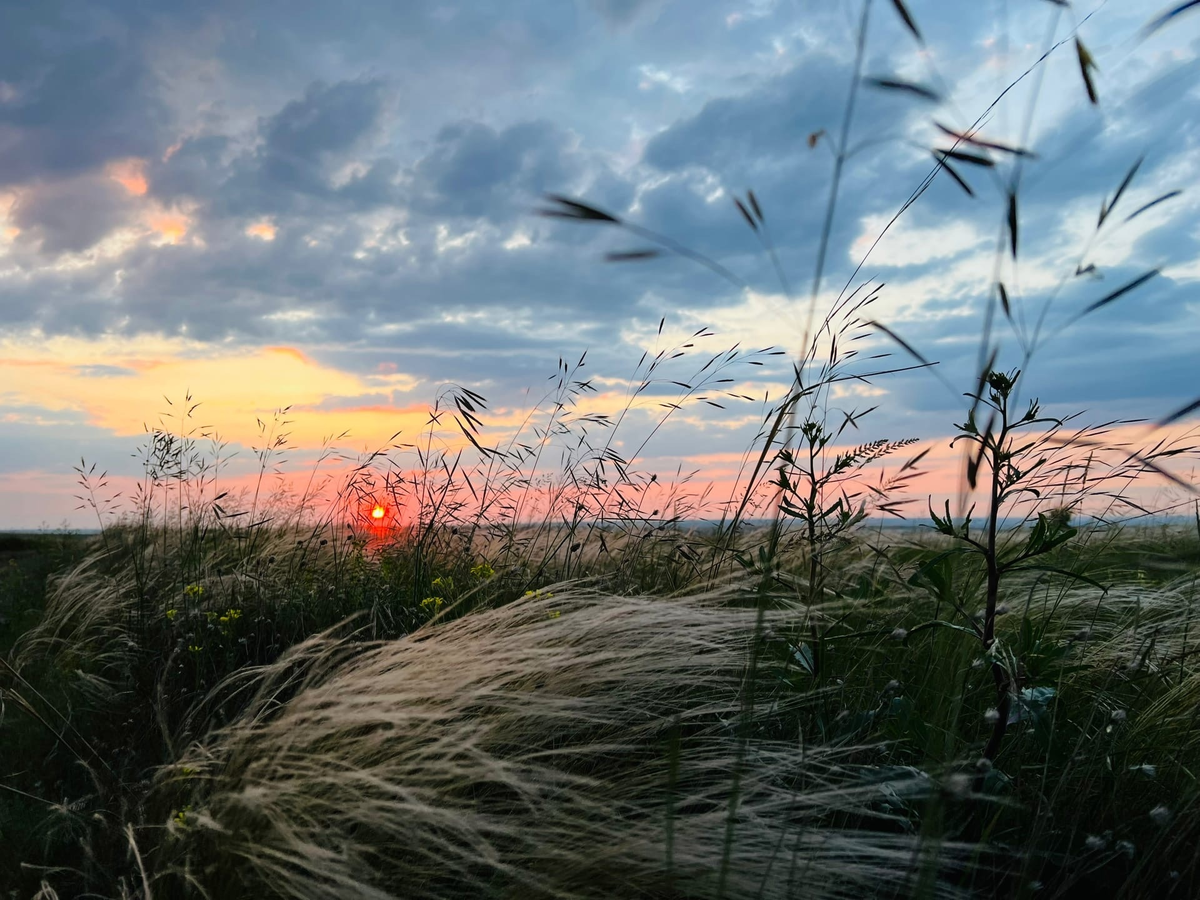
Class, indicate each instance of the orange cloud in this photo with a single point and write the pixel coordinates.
(130, 174)
(291, 352)
(119, 385)
(173, 227)
(263, 230)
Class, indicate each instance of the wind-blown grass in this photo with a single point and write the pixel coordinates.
(569, 744)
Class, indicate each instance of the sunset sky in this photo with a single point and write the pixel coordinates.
(332, 206)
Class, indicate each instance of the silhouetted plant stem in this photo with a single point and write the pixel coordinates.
(999, 673)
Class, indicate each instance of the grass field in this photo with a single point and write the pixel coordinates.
(189, 716)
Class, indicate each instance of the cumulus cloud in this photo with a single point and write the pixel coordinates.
(475, 171)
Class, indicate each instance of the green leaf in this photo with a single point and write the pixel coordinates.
(803, 657)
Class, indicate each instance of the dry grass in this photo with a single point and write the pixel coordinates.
(527, 751)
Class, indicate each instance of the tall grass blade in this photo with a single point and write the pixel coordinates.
(909, 87)
(1116, 295)
(907, 18)
(1107, 208)
(1157, 23)
(1169, 195)
(1086, 64)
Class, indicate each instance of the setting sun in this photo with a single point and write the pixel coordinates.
(377, 512)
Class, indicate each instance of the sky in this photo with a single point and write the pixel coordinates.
(333, 208)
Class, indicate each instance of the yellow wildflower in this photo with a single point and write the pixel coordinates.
(432, 604)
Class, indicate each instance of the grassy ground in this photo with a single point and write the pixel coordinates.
(181, 722)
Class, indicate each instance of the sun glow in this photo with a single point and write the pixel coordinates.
(378, 513)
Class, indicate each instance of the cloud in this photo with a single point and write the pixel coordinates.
(122, 384)
(79, 93)
(766, 127)
(194, 168)
(300, 149)
(301, 140)
(911, 243)
(475, 171)
(72, 215)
